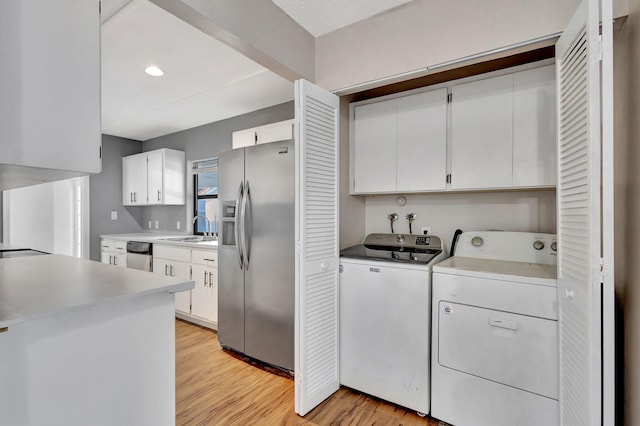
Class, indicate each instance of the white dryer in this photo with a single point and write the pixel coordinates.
(494, 331)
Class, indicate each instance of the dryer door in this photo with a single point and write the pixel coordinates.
(515, 350)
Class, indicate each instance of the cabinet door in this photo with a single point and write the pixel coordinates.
(534, 127)
(175, 269)
(120, 259)
(51, 118)
(134, 180)
(280, 131)
(106, 257)
(481, 134)
(155, 176)
(422, 141)
(205, 292)
(375, 147)
(243, 138)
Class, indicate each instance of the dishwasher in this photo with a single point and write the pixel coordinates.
(139, 255)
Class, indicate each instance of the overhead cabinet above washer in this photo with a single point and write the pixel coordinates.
(154, 178)
(501, 133)
(400, 144)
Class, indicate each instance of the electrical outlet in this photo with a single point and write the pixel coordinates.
(178, 225)
(114, 215)
(425, 230)
(149, 224)
(157, 224)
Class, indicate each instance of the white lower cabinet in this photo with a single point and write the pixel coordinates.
(199, 305)
(174, 262)
(113, 252)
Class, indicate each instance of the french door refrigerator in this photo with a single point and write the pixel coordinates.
(256, 268)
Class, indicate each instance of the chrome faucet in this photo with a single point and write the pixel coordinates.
(210, 236)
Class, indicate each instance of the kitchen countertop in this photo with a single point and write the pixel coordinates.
(4, 246)
(39, 286)
(158, 238)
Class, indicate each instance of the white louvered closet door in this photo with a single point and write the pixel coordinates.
(317, 248)
(585, 228)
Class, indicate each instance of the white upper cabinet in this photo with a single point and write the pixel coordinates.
(280, 131)
(375, 147)
(400, 145)
(154, 177)
(50, 86)
(494, 133)
(243, 138)
(134, 180)
(503, 131)
(481, 134)
(421, 145)
(534, 127)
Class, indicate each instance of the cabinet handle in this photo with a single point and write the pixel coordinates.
(171, 270)
(210, 280)
(135, 197)
(209, 260)
(114, 260)
(131, 196)
(158, 195)
(110, 260)
(205, 278)
(165, 269)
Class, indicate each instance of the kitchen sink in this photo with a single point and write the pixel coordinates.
(189, 239)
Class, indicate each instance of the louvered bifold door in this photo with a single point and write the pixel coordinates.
(580, 218)
(317, 251)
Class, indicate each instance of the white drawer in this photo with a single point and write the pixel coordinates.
(172, 253)
(205, 257)
(120, 246)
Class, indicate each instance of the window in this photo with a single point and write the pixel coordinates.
(205, 194)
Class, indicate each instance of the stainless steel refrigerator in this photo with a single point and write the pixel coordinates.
(256, 252)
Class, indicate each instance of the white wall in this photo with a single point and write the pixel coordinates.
(532, 211)
(29, 217)
(429, 32)
(627, 209)
(40, 217)
(63, 217)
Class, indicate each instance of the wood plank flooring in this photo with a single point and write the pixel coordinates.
(215, 388)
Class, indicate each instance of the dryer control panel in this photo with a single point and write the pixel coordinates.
(527, 247)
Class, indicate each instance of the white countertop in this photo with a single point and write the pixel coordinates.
(4, 246)
(158, 238)
(36, 286)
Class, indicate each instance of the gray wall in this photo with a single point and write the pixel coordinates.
(203, 142)
(106, 194)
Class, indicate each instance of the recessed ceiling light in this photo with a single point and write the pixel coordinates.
(154, 71)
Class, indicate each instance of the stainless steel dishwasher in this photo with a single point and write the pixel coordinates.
(139, 255)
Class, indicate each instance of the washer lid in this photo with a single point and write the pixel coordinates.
(522, 272)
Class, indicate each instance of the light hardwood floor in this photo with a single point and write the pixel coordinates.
(215, 388)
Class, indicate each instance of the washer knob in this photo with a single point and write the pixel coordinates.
(538, 245)
(554, 246)
(400, 238)
(477, 241)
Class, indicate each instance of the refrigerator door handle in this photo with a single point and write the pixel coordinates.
(246, 224)
(237, 227)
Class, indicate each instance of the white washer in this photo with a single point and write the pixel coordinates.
(495, 336)
(385, 316)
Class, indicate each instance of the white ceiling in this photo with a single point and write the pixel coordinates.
(320, 17)
(205, 80)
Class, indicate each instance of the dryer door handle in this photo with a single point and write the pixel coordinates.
(496, 322)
